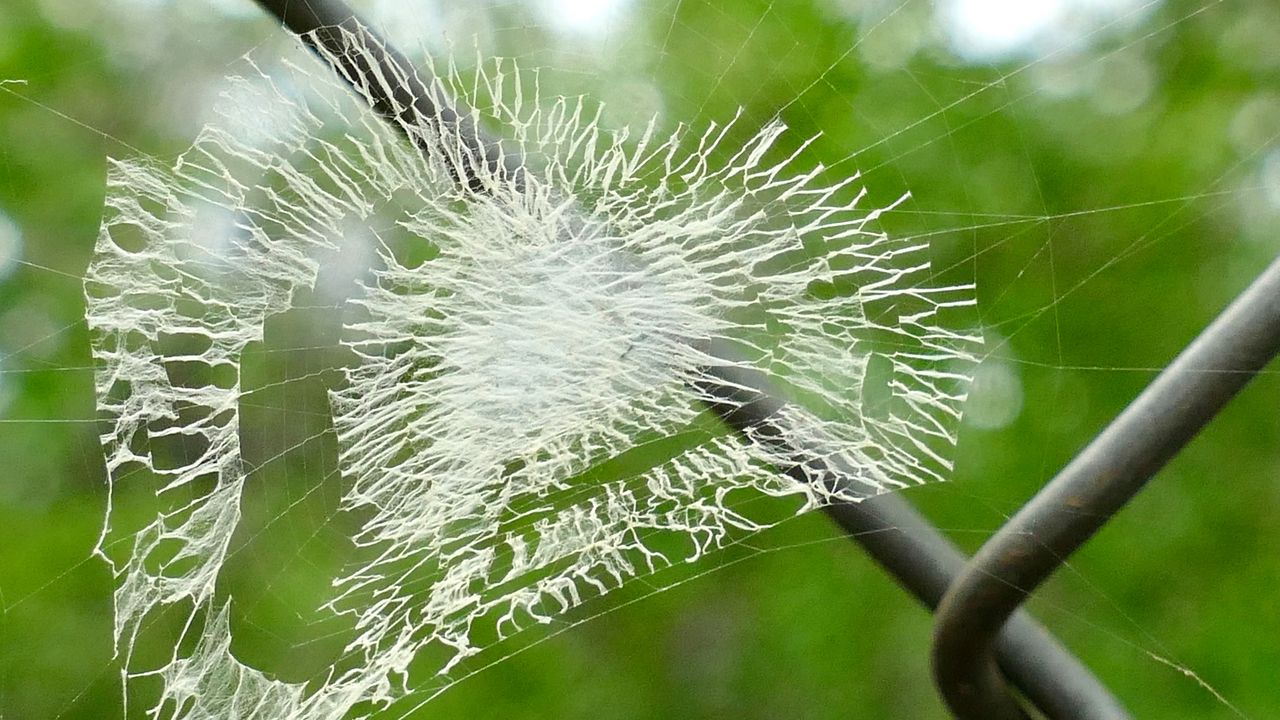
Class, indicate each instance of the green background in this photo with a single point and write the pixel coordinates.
(1108, 199)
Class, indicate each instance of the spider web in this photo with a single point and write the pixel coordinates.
(295, 490)
(565, 312)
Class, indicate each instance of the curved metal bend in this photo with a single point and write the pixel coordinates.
(891, 531)
(922, 560)
(1092, 488)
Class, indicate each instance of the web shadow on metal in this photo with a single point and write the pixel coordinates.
(982, 639)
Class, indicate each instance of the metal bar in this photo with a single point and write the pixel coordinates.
(1089, 490)
(414, 103)
(896, 536)
(922, 560)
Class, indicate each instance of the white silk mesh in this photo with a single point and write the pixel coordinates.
(556, 324)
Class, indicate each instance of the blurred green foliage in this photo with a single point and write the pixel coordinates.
(1108, 199)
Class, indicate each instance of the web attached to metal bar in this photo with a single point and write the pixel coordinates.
(502, 347)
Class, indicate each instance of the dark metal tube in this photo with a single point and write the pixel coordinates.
(922, 560)
(1089, 490)
(904, 543)
(394, 90)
